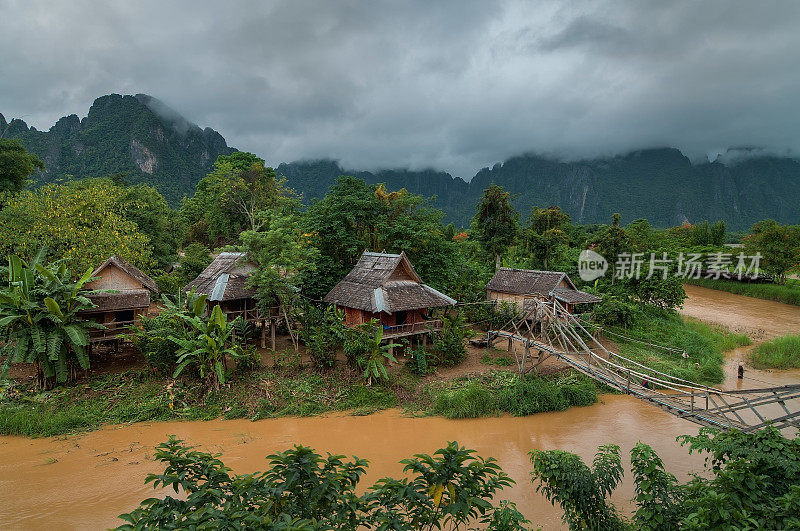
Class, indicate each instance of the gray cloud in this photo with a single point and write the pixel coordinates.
(451, 85)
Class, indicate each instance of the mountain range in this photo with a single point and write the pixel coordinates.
(142, 137)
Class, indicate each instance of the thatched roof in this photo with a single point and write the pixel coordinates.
(121, 300)
(225, 278)
(130, 270)
(381, 282)
(539, 283)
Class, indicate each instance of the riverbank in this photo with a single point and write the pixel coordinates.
(788, 293)
(781, 353)
(140, 396)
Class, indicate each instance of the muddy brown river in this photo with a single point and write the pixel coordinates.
(85, 481)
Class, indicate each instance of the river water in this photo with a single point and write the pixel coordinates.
(85, 481)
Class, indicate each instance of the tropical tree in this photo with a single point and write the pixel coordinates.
(547, 237)
(231, 199)
(83, 222)
(16, 165)
(39, 318)
(778, 245)
(495, 222)
(206, 345)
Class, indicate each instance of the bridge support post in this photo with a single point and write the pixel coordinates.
(692, 401)
(629, 382)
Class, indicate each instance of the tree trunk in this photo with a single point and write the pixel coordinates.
(497, 261)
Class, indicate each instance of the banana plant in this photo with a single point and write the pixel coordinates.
(205, 346)
(39, 318)
(376, 357)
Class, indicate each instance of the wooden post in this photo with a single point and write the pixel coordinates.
(692, 401)
(272, 332)
(510, 341)
(629, 381)
(424, 340)
(263, 333)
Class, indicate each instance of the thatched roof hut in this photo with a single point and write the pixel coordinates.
(124, 287)
(518, 285)
(385, 287)
(226, 282)
(225, 278)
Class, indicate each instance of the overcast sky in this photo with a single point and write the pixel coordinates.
(451, 85)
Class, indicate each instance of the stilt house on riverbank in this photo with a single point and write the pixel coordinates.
(385, 287)
(123, 296)
(521, 286)
(225, 282)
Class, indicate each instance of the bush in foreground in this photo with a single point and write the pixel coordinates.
(303, 490)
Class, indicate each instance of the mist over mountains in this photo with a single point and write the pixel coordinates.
(150, 142)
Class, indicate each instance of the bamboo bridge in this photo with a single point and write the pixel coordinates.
(547, 330)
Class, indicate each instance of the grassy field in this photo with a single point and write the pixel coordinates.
(788, 293)
(704, 343)
(780, 353)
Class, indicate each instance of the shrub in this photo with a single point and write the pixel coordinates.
(323, 332)
(613, 311)
(249, 359)
(779, 353)
(471, 401)
(418, 361)
(448, 343)
(532, 395)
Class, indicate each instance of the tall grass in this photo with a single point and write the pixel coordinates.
(703, 343)
(519, 397)
(780, 353)
(788, 293)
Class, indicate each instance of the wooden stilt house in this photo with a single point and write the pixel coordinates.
(519, 286)
(225, 281)
(386, 287)
(123, 295)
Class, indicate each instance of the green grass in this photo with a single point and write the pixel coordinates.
(788, 293)
(780, 353)
(704, 343)
(505, 393)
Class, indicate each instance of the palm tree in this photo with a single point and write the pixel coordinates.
(39, 318)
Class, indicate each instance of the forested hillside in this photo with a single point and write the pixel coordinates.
(140, 136)
(135, 135)
(661, 185)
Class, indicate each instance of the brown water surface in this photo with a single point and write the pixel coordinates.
(85, 481)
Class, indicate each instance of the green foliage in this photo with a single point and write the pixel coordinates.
(82, 222)
(449, 343)
(658, 500)
(581, 491)
(546, 234)
(418, 361)
(495, 223)
(39, 318)
(205, 346)
(779, 353)
(323, 332)
(354, 217)
(303, 490)
(16, 165)
(779, 246)
(510, 394)
(364, 347)
(472, 401)
(616, 311)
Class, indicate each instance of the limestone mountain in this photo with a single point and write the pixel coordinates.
(136, 135)
(142, 137)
